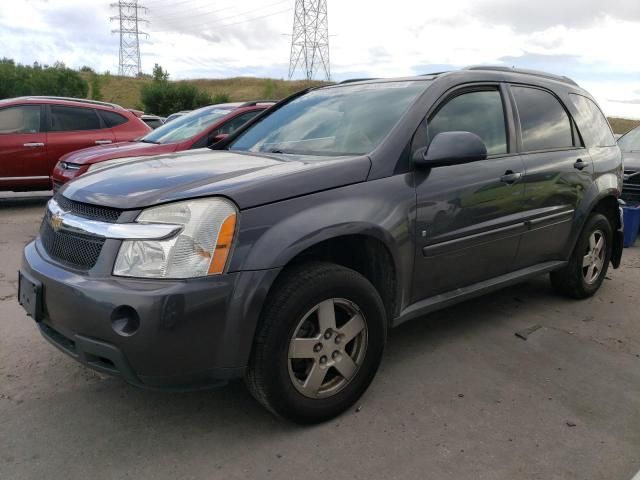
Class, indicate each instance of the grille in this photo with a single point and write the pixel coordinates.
(76, 250)
(634, 180)
(94, 212)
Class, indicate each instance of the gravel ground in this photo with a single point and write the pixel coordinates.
(458, 396)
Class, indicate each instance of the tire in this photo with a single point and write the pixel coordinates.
(576, 280)
(283, 372)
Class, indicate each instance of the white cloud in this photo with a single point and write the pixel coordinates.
(592, 41)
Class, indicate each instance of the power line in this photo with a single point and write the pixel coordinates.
(225, 25)
(129, 19)
(310, 39)
(169, 20)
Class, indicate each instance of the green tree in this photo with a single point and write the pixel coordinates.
(18, 80)
(162, 97)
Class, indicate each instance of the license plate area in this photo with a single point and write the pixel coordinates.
(30, 295)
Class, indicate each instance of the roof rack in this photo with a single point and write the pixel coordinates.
(536, 73)
(71, 99)
(351, 80)
(253, 103)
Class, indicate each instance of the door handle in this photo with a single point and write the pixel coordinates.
(102, 142)
(580, 165)
(510, 177)
(33, 144)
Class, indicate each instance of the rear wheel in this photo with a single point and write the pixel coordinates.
(588, 265)
(319, 344)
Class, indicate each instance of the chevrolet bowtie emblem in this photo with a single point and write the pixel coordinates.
(55, 221)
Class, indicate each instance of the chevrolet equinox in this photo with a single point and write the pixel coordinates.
(284, 253)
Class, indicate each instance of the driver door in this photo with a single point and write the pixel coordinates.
(468, 216)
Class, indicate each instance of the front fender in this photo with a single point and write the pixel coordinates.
(270, 236)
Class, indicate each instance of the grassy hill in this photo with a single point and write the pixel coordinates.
(622, 125)
(125, 91)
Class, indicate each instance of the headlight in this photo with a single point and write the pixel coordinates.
(200, 249)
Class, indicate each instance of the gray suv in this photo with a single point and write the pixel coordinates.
(284, 253)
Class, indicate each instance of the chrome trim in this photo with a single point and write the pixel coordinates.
(60, 219)
(33, 144)
(40, 177)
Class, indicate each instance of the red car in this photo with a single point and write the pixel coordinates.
(197, 129)
(36, 131)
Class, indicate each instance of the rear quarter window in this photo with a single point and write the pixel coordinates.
(112, 119)
(592, 123)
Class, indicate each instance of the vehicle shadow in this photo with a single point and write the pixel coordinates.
(10, 200)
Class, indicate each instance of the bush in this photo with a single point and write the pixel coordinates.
(96, 87)
(18, 80)
(164, 98)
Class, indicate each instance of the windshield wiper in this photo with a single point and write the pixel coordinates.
(144, 140)
(277, 150)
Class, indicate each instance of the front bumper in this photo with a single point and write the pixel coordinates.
(192, 333)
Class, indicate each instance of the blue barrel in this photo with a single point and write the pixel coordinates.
(631, 225)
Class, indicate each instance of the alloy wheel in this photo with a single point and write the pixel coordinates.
(327, 348)
(593, 261)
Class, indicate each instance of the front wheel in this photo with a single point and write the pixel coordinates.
(588, 265)
(319, 344)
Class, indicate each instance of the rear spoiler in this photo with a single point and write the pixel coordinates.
(137, 113)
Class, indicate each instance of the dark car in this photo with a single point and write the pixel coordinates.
(198, 129)
(36, 131)
(173, 116)
(630, 146)
(286, 254)
(153, 121)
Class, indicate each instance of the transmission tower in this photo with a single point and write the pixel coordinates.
(129, 17)
(310, 39)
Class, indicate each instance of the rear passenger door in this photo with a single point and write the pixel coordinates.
(557, 172)
(468, 216)
(72, 128)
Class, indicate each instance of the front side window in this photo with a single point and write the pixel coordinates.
(544, 123)
(479, 112)
(186, 126)
(66, 119)
(592, 123)
(630, 142)
(20, 119)
(340, 120)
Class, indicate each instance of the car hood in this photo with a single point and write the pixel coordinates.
(101, 153)
(631, 160)
(248, 179)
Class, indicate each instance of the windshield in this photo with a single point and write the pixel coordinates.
(631, 141)
(343, 120)
(186, 126)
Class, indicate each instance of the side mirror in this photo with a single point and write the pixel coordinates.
(217, 138)
(451, 148)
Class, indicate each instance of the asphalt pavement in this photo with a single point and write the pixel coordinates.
(459, 396)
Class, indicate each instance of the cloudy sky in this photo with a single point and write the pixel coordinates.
(596, 42)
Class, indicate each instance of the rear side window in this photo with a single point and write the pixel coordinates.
(20, 119)
(592, 123)
(544, 122)
(65, 119)
(112, 119)
(235, 123)
(479, 112)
